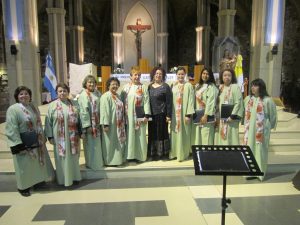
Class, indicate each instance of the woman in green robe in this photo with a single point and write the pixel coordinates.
(62, 127)
(230, 95)
(113, 122)
(206, 94)
(32, 164)
(260, 118)
(89, 104)
(136, 101)
(182, 111)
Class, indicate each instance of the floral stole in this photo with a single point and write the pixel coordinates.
(137, 102)
(178, 106)
(199, 96)
(260, 116)
(39, 130)
(120, 118)
(94, 114)
(224, 123)
(72, 127)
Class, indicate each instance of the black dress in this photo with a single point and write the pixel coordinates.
(161, 107)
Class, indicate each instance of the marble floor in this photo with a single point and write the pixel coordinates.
(176, 200)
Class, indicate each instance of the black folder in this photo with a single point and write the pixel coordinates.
(140, 113)
(30, 139)
(226, 111)
(199, 113)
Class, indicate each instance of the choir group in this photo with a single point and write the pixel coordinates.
(113, 127)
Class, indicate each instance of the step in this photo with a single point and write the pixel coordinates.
(279, 133)
(284, 145)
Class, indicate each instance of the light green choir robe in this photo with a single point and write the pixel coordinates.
(91, 145)
(113, 149)
(67, 166)
(260, 151)
(181, 140)
(236, 99)
(136, 147)
(27, 169)
(204, 134)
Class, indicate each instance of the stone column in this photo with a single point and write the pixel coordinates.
(23, 66)
(57, 38)
(117, 37)
(263, 64)
(76, 32)
(162, 34)
(226, 15)
(202, 32)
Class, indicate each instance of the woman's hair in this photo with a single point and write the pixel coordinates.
(180, 68)
(87, 78)
(233, 79)
(262, 89)
(18, 91)
(153, 71)
(135, 71)
(111, 79)
(211, 78)
(62, 85)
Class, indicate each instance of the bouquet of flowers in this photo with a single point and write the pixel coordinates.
(173, 69)
(118, 70)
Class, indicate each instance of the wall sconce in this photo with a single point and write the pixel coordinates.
(274, 49)
(13, 49)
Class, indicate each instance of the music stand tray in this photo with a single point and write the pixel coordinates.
(225, 160)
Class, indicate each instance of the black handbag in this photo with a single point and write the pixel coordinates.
(30, 139)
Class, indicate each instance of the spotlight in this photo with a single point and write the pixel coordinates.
(274, 49)
(13, 49)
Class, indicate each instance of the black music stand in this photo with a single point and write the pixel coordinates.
(224, 160)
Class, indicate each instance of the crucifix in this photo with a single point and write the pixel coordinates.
(138, 29)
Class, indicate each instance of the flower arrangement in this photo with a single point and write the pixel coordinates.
(118, 70)
(173, 69)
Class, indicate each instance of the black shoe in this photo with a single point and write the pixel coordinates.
(76, 182)
(251, 178)
(25, 192)
(39, 185)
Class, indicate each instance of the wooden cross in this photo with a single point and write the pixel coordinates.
(138, 29)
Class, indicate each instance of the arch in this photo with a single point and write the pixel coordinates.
(148, 38)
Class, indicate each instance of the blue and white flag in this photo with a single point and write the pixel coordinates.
(50, 80)
(14, 19)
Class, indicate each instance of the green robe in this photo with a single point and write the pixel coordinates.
(204, 134)
(136, 147)
(67, 166)
(91, 145)
(260, 151)
(181, 140)
(113, 149)
(28, 169)
(236, 99)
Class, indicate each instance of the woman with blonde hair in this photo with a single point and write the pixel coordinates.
(137, 112)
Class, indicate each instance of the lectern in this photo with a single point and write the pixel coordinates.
(220, 160)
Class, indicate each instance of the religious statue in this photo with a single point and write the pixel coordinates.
(138, 29)
(228, 61)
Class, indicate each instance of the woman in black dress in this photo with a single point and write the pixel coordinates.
(161, 109)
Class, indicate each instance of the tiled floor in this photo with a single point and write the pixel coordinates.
(176, 200)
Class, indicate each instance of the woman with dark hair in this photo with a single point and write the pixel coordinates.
(23, 125)
(161, 110)
(230, 98)
(113, 123)
(62, 127)
(182, 111)
(136, 102)
(89, 104)
(206, 94)
(260, 118)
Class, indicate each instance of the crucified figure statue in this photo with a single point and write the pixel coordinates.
(138, 29)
